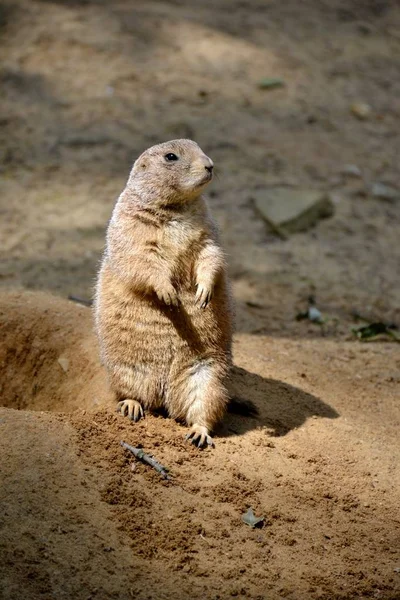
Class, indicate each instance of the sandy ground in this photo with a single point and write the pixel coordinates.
(87, 85)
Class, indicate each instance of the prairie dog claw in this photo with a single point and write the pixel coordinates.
(203, 295)
(168, 295)
(198, 435)
(131, 408)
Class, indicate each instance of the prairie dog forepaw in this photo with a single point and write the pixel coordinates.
(198, 435)
(131, 408)
(167, 294)
(203, 294)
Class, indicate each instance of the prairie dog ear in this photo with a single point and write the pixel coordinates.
(140, 164)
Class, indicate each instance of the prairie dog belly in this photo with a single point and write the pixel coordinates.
(135, 329)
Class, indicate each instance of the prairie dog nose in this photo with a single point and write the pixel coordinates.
(208, 164)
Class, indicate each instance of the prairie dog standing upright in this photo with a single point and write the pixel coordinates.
(162, 307)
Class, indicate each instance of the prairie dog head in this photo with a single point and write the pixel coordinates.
(171, 173)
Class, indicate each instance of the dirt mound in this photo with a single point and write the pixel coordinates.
(48, 354)
(50, 361)
(83, 519)
(57, 540)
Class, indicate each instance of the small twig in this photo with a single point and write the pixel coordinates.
(80, 300)
(205, 539)
(146, 458)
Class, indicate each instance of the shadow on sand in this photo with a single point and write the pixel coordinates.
(260, 402)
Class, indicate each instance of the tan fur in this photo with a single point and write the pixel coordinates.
(162, 306)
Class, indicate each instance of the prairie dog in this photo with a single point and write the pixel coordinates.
(162, 306)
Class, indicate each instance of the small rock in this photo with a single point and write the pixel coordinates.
(351, 171)
(289, 210)
(64, 363)
(385, 192)
(250, 519)
(269, 83)
(314, 314)
(361, 110)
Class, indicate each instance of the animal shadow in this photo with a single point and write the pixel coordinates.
(259, 402)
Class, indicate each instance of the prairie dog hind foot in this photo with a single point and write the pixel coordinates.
(198, 435)
(131, 408)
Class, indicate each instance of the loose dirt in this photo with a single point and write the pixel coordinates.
(87, 85)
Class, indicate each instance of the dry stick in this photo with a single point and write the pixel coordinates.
(146, 458)
(80, 300)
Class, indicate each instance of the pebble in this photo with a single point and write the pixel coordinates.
(351, 171)
(361, 110)
(314, 314)
(385, 192)
(269, 83)
(64, 363)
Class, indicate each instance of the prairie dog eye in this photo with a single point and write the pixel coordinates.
(170, 157)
